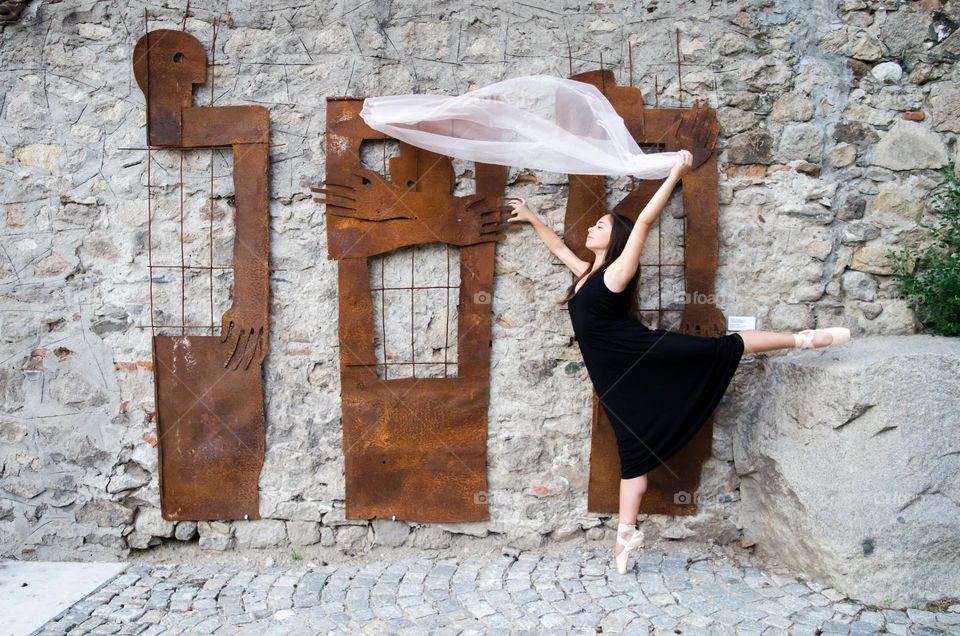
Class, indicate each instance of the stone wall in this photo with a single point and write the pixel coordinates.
(835, 118)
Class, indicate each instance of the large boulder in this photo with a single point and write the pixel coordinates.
(850, 470)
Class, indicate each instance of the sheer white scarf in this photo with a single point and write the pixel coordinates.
(539, 122)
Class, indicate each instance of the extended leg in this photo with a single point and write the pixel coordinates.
(755, 341)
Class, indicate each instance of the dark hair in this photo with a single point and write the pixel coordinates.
(620, 231)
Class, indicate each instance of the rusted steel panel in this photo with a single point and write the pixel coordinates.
(246, 324)
(692, 129)
(166, 75)
(211, 441)
(10, 10)
(209, 389)
(205, 126)
(417, 450)
(414, 448)
(368, 214)
(473, 328)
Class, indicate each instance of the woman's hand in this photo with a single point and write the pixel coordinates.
(520, 211)
(684, 164)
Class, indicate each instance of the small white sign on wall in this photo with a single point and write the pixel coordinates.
(739, 323)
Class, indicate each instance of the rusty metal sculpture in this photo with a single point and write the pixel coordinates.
(414, 448)
(696, 130)
(10, 10)
(209, 389)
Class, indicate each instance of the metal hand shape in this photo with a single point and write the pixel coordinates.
(246, 339)
(470, 220)
(371, 197)
(697, 131)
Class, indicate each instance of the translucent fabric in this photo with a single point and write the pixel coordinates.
(539, 122)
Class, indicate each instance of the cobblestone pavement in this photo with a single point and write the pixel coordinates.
(666, 591)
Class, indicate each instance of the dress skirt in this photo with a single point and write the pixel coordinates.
(657, 387)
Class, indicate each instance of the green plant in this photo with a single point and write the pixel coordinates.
(929, 275)
(296, 557)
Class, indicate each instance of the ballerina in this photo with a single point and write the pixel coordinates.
(658, 387)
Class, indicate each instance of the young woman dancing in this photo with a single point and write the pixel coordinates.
(658, 387)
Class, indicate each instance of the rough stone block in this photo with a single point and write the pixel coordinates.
(259, 533)
(301, 533)
(848, 465)
(149, 521)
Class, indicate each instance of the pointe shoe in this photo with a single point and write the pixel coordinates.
(635, 541)
(804, 339)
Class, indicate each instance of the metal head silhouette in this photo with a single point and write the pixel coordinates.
(166, 65)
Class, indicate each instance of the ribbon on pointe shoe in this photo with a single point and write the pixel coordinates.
(635, 541)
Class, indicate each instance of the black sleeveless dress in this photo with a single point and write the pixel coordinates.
(658, 387)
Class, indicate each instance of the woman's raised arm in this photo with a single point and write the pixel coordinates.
(553, 242)
(625, 266)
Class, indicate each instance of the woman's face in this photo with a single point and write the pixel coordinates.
(598, 235)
